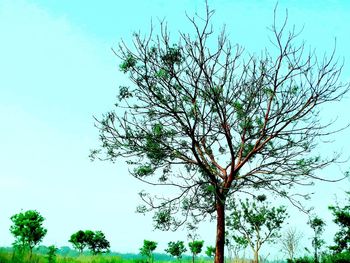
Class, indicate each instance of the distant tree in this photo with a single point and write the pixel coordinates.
(256, 222)
(65, 251)
(97, 242)
(51, 254)
(210, 251)
(290, 242)
(211, 121)
(28, 229)
(147, 249)
(176, 249)
(317, 225)
(342, 219)
(195, 248)
(79, 240)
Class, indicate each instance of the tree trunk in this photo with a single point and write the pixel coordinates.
(256, 256)
(316, 254)
(220, 231)
(256, 251)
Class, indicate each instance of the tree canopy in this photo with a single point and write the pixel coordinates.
(148, 248)
(94, 240)
(195, 247)
(176, 249)
(28, 229)
(208, 120)
(97, 242)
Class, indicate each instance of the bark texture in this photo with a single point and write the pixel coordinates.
(220, 232)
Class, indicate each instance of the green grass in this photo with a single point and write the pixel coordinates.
(10, 257)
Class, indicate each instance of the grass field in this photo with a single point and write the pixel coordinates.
(13, 258)
(10, 257)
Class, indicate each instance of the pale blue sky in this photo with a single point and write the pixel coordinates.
(57, 71)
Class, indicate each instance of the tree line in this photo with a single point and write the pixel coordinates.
(28, 230)
(251, 223)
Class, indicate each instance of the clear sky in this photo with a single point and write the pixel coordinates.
(57, 71)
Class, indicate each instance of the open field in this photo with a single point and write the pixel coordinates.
(10, 257)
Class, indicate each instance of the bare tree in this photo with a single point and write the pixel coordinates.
(235, 245)
(290, 242)
(208, 121)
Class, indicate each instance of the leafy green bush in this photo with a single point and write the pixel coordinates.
(304, 259)
(343, 257)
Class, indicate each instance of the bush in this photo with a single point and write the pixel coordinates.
(343, 257)
(304, 259)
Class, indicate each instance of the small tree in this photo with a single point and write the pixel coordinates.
(210, 252)
(147, 249)
(176, 249)
(317, 225)
(290, 242)
(28, 229)
(79, 240)
(97, 242)
(342, 219)
(256, 222)
(195, 248)
(51, 254)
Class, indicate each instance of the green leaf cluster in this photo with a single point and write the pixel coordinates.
(124, 93)
(210, 251)
(154, 148)
(162, 74)
(196, 246)
(163, 219)
(128, 63)
(172, 56)
(176, 249)
(144, 170)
